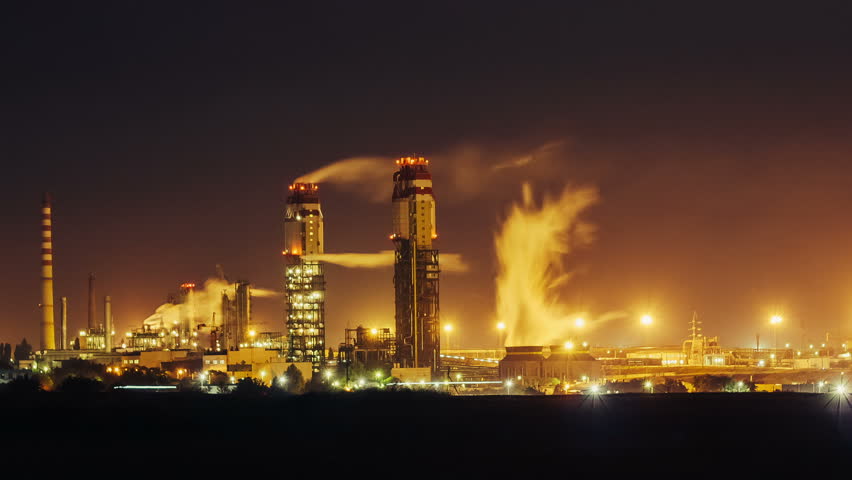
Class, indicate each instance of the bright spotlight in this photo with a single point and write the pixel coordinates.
(646, 320)
(776, 319)
(579, 323)
(568, 345)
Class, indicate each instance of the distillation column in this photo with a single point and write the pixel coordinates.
(304, 282)
(416, 267)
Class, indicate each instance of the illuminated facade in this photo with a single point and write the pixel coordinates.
(416, 267)
(304, 282)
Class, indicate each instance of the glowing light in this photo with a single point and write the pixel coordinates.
(252, 333)
(568, 345)
(448, 328)
(501, 326)
(374, 331)
(378, 375)
(649, 385)
(595, 389)
(776, 319)
(841, 390)
(646, 320)
(579, 323)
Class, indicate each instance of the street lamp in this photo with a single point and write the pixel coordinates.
(449, 329)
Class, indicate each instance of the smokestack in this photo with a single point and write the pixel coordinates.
(48, 333)
(63, 333)
(107, 324)
(93, 323)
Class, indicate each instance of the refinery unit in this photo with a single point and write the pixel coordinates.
(189, 337)
(416, 266)
(182, 331)
(304, 279)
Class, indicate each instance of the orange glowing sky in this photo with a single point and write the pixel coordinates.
(718, 142)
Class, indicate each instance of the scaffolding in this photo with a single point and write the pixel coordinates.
(418, 334)
(305, 295)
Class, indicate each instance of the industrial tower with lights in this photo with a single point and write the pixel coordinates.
(416, 268)
(304, 282)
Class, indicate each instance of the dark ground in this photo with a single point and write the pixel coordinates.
(624, 432)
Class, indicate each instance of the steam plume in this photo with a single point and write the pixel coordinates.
(200, 304)
(450, 262)
(531, 247)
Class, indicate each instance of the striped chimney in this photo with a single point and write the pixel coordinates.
(48, 333)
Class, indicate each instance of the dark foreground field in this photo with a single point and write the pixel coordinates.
(663, 429)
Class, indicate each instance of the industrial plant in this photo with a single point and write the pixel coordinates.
(207, 329)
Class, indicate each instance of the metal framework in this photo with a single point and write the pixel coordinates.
(417, 316)
(305, 295)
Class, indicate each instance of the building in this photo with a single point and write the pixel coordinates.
(236, 317)
(416, 266)
(304, 283)
(539, 366)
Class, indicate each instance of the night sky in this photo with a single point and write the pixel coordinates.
(718, 137)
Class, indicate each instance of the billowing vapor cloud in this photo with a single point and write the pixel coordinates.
(369, 176)
(450, 262)
(203, 305)
(461, 172)
(531, 247)
(265, 293)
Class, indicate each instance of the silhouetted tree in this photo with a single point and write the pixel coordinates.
(251, 387)
(673, 386)
(24, 385)
(711, 383)
(5, 355)
(295, 380)
(23, 350)
(81, 385)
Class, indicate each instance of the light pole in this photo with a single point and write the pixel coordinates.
(501, 328)
(775, 321)
(646, 321)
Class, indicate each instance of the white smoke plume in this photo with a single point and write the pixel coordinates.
(461, 172)
(531, 248)
(450, 262)
(203, 305)
(364, 175)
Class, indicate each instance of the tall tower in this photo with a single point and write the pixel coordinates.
(48, 333)
(416, 268)
(304, 282)
(93, 309)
